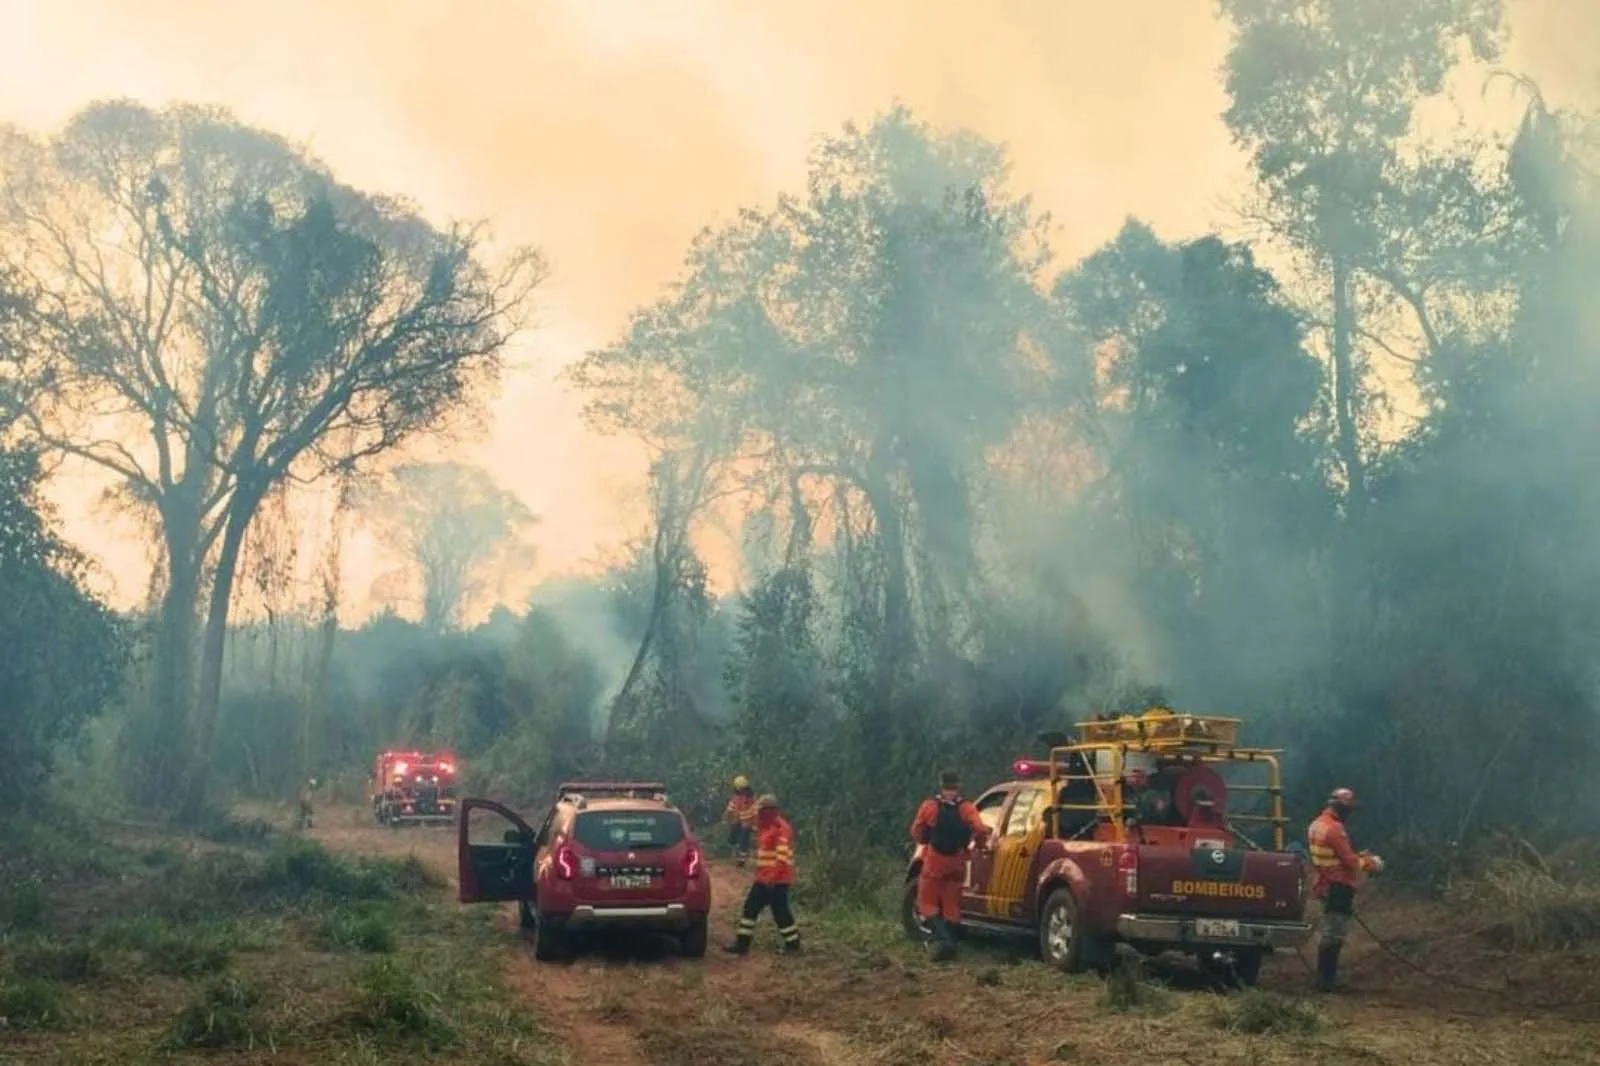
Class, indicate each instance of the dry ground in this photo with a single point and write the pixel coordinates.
(862, 996)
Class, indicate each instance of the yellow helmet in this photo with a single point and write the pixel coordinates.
(741, 781)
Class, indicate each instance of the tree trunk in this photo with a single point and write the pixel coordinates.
(1345, 393)
(896, 639)
(208, 699)
(660, 596)
(160, 755)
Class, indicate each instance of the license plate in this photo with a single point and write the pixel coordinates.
(630, 880)
(1217, 927)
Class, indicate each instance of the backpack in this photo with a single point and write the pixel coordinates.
(949, 834)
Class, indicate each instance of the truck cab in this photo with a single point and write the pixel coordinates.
(1133, 832)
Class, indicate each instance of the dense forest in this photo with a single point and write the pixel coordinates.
(1330, 469)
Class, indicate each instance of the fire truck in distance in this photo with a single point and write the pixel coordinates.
(414, 788)
(1130, 833)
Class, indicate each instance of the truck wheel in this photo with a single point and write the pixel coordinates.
(549, 940)
(916, 927)
(1062, 940)
(693, 943)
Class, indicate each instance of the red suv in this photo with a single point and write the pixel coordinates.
(609, 855)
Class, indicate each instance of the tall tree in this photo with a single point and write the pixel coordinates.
(1215, 503)
(1323, 94)
(457, 530)
(856, 351)
(225, 316)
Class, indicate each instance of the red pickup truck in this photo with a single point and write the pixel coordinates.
(1126, 835)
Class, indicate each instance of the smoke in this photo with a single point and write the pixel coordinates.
(586, 613)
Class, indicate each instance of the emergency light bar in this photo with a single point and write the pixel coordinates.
(611, 788)
(1030, 768)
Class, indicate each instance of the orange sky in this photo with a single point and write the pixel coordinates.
(608, 131)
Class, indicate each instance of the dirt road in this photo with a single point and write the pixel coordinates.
(861, 997)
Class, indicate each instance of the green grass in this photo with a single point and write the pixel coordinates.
(258, 944)
(371, 931)
(223, 1014)
(31, 1003)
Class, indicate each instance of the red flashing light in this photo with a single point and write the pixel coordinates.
(1128, 867)
(566, 863)
(1030, 768)
(693, 863)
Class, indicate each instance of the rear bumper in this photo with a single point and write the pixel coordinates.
(669, 916)
(1180, 932)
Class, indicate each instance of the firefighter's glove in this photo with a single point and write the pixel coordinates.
(1375, 864)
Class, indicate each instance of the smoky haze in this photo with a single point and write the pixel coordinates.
(972, 375)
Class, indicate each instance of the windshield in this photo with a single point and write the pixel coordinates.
(614, 830)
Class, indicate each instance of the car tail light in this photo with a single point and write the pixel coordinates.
(693, 862)
(1128, 868)
(566, 863)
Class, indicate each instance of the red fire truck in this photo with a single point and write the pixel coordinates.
(414, 788)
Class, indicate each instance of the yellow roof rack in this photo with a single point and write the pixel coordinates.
(1162, 729)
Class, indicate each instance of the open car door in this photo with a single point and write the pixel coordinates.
(498, 871)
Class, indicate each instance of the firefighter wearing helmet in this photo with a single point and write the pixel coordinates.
(1339, 871)
(740, 814)
(774, 878)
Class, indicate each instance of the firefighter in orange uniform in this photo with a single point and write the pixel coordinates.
(740, 814)
(946, 824)
(774, 878)
(1339, 870)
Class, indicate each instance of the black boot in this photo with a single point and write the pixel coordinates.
(740, 945)
(944, 943)
(1328, 966)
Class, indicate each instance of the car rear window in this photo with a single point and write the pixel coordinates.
(611, 830)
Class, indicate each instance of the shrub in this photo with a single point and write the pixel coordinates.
(1258, 1013)
(391, 1000)
(222, 1015)
(1535, 904)
(30, 1003)
(346, 931)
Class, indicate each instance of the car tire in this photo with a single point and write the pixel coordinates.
(525, 916)
(549, 940)
(1063, 943)
(692, 945)
(916, 929)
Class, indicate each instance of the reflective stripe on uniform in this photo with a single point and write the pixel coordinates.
(789, 932)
